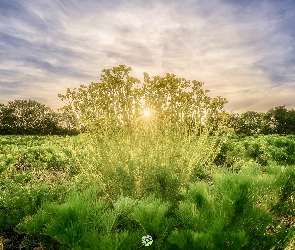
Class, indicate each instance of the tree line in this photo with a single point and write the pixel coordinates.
(276, 120)
(116, 102)
(29, 117)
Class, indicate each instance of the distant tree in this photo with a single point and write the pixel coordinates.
(275, 121)
(27, 117)
(233, 121)
(290, 120)
(250, 123)
(281, 116)
(7, 120)
(269, 123)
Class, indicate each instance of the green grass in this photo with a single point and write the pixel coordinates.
(96, 191)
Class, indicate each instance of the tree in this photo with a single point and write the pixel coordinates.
(250, 123)
(118, 102)
(27, 117)
(290, 120)
(6, 120)
(276, 121)
(269, 123)
(281, 116)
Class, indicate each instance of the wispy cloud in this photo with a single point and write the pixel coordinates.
(242, 50)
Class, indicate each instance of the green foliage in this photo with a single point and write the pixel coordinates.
(107, 191)
(150, 215)
(30, 170)
(131, 176)
(188, 239)
(117, 102)
(250, 123)
(285, 203)
(284, 150)
(26, 201)
(163, 183)
(260, 149)
(276, 120)
(102, 104)
(29, 117)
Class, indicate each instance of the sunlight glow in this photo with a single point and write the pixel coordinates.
(146, 113)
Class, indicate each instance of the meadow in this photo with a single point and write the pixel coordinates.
(95, 191)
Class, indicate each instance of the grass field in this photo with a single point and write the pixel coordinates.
(96, 192)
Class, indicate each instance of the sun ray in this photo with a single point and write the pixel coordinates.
(146, 113)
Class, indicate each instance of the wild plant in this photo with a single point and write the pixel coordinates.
(137, 135)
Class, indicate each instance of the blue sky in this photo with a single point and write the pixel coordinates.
(242, 50)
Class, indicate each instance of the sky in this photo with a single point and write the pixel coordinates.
(242, 50)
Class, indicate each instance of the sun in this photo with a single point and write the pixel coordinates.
(146, 113)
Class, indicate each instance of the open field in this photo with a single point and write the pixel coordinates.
(91, 192)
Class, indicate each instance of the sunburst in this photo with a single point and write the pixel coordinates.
(146, 113)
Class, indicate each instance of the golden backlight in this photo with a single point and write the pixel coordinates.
(146, 113)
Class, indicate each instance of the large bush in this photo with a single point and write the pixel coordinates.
(119, 100)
